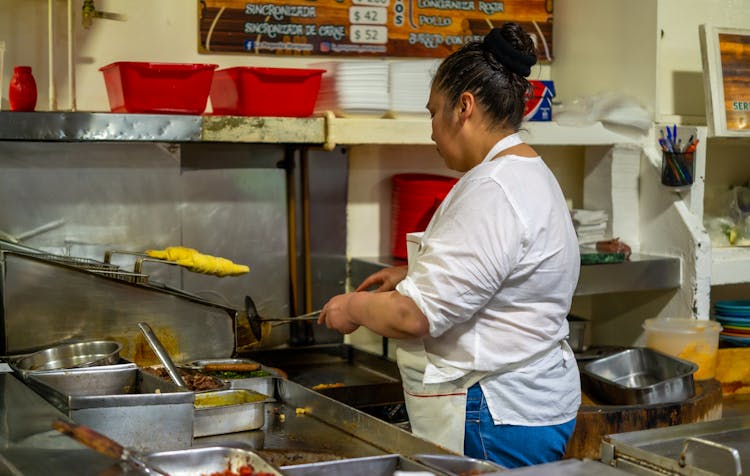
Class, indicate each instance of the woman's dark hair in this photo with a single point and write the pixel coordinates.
(494, 71)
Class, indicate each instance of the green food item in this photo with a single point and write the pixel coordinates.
(602, 258)
(231, 374)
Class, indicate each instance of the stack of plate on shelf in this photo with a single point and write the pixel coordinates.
(409, 84)
(734, 317)
(351, 88)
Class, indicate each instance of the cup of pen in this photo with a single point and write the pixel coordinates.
(677, 169)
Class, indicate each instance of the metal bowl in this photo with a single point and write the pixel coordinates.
(72, 355)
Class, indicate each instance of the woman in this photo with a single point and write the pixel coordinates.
(482, 309)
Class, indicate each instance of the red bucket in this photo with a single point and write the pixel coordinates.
(414, 199)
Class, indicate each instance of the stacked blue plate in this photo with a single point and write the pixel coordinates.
(734, 317)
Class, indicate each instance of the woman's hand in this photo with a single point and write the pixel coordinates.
(335, 314)
(386, 279)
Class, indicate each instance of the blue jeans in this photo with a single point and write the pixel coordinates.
(511, 446)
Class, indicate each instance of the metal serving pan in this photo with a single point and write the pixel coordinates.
(384, 465)
(204, 460)
(639, 376)
(264, 384)
(228, 411)
(121, 365)
(458, 465)
(134, 408)
(72, 355)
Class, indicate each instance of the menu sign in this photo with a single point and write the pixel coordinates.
(375, 28)
(726, 68)
(735, 67)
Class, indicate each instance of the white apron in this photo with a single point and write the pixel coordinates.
(437, 411)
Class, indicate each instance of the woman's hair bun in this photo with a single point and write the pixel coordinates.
(507, 45)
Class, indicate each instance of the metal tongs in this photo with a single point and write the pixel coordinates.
(255, 320)
(106, 446)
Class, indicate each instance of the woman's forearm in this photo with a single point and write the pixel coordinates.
(389, 314)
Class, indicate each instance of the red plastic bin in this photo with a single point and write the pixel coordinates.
(414, 199)
(254, 91)
(174, 88)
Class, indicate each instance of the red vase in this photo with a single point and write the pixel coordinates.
(22, 91)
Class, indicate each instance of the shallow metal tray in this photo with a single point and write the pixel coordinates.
(71, 355)
(228, 411)
(134, 408)
(370, 465)
(121, 365)
(639, 376)
(717, 447)
(206, 460)
(263, 384)
(458, 465)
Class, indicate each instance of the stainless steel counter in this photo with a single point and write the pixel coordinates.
(301, 420)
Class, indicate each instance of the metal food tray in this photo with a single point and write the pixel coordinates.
(228, 411)
(458, 465)
(123, 364)
(134, 408)
(717, 447)
(639, 376)
(370, 465)
(206, 460)
(264, 384)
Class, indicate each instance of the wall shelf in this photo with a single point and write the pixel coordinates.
(730, 265)
(325, 130)
(640, 273)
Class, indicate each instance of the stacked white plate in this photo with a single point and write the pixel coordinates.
(409, 84)
(350, 88)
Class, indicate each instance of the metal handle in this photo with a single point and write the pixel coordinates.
(310, 316)
(160, 352)
(713, 457)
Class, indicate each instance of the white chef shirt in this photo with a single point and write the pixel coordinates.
(495, 276)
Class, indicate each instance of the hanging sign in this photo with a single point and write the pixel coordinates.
(365, 28)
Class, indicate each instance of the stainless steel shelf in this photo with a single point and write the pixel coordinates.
(325, 130)
(640, 273)
(104, 126)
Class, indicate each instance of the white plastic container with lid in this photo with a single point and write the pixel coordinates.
(696, 340)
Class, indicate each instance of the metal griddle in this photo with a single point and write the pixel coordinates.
(361, 379)
(719, 447)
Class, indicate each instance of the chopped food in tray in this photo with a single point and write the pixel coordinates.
(196, 381)
(241, 471)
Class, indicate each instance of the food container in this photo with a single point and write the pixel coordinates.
(172, 88)
(194, 380)
(458, 465)
(121, 365)
(639, 376)
(253, 91)
(262, 380)
(71, 355)
(134, 408)
(695, 340)
(577, 335)
(210, 460)
(385, 465)
(228, 411)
